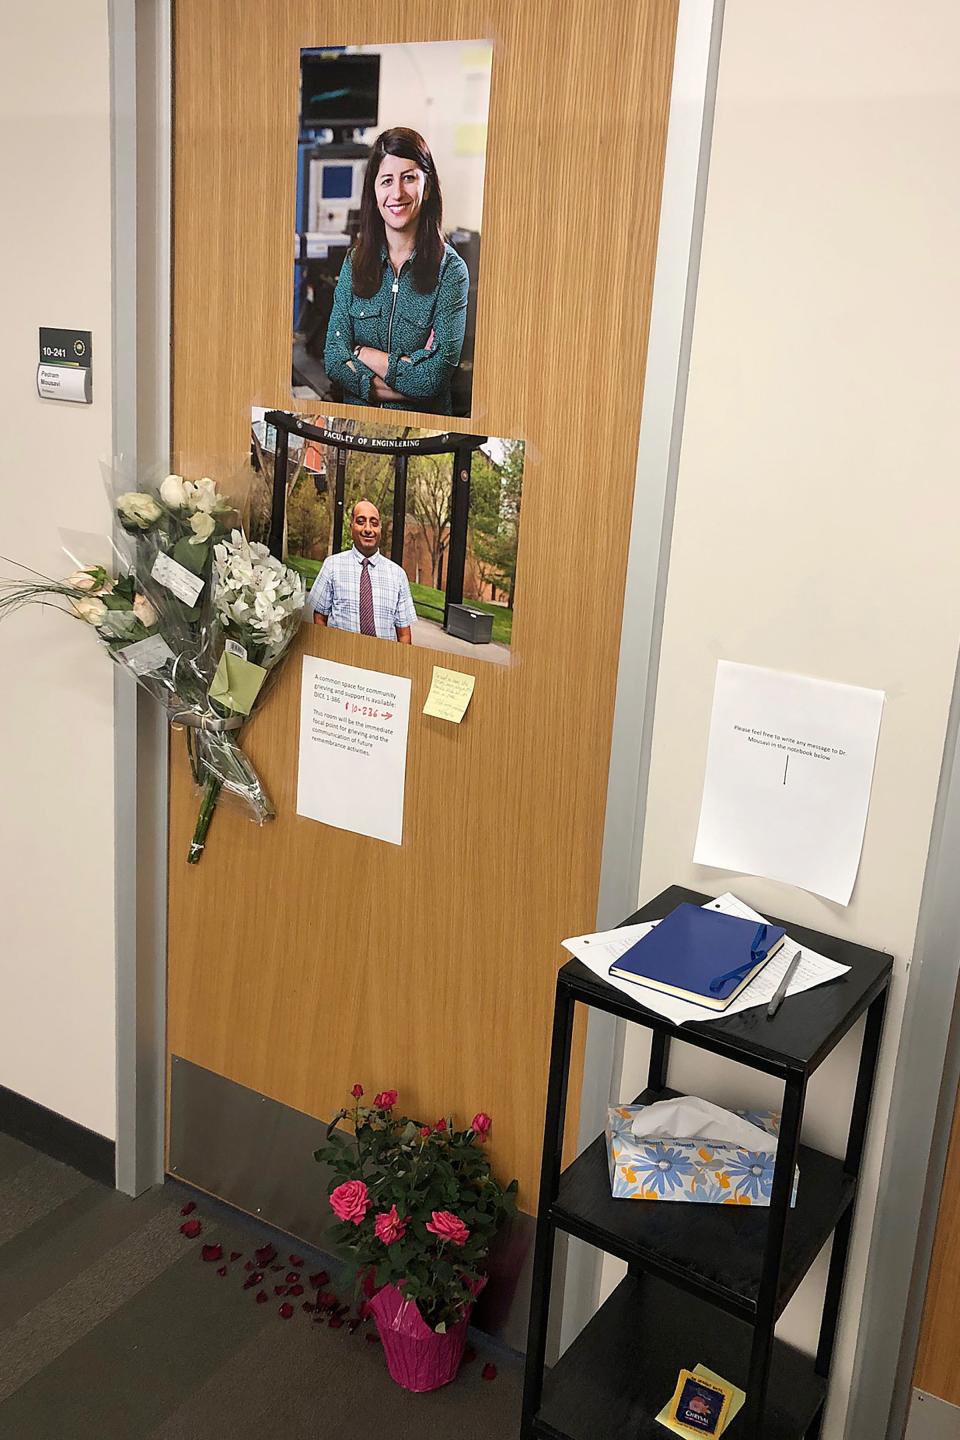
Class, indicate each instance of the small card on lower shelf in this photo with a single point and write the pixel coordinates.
(703, 1404)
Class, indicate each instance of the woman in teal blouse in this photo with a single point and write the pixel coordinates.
(400, 306)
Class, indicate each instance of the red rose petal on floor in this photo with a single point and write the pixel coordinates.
(222, 1270)
(235, 1254)
(189, 1208)
(191, 1229)
(335, 1322)
(279, 1289)
(212, 1252)
(320, 1279)
(295, 1259)
(469, 1354)
(262, 1297)
(296, 1289)
(489, 1371)
(292, 1277)
(286, 1310)
(372, 1338)
(252, 1280)
(265, 1255)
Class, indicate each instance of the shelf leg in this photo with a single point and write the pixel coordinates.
(761, 1350)
(814, 1429)
(869, 1052)
(659, 1060)
(549, 1183)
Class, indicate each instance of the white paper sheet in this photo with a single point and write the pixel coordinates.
(789, 769)
(598, 952)
(353, 748)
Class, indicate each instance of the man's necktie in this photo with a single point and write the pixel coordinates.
(367, 623)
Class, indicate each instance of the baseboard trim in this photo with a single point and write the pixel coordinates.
(62, 1139)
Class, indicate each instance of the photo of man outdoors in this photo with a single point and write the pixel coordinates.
(360, 589)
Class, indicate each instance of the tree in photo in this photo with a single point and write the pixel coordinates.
(495, 497)
(429, 505)
(308, 517)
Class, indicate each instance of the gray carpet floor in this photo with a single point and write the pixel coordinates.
(112, 1327)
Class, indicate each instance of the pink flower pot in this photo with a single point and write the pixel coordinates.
(417, 1357)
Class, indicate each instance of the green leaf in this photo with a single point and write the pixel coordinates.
(191, 557)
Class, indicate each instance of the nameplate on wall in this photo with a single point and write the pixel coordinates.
(65, 367)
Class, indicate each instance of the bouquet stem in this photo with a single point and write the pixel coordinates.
(211, 794)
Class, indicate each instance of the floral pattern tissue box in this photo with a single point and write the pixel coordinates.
(701, 1171)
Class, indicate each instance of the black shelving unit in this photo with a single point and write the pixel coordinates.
(706, 1283)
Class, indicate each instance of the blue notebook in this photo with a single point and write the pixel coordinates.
(700, 955)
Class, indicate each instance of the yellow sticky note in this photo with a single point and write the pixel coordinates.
(450, 694)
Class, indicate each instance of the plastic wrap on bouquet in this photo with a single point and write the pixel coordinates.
(197, 615)
(417, 1357)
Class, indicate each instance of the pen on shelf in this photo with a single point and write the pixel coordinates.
(781, 989)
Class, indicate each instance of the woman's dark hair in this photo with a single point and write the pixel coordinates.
(366, 261)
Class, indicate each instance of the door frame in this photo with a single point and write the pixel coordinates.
(141, 80)
(918, 1130)
(686, 166)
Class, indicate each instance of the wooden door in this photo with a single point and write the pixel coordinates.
(303, 958)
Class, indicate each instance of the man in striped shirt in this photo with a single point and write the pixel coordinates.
(362, 590)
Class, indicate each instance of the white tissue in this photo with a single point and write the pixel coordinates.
(690, 1118)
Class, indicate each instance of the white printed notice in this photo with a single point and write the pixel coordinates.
(353, 748)
(789, 769)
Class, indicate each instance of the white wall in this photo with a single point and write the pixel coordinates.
(57, 1008)
(818, 509)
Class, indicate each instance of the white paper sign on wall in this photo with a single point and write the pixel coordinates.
(789, 769)
(353, 748)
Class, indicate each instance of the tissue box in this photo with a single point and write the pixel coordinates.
(699, 1171)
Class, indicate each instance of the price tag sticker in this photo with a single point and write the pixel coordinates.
(233, 647)
(146, 656)
(177, 578)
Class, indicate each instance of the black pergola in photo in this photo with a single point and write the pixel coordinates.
(460, 447)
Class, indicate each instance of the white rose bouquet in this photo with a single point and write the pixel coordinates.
(200, 617)
(121, 615)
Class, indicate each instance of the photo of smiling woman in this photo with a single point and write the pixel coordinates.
(391, 163)
(399, 309)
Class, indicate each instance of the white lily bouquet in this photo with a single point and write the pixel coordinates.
(198, 615)
(257, 608)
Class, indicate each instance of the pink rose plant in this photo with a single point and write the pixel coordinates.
(350, 1201)
(401, 1190)
(388, 1226)
(447, 1226)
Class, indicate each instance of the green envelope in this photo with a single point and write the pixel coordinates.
(236, 683)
